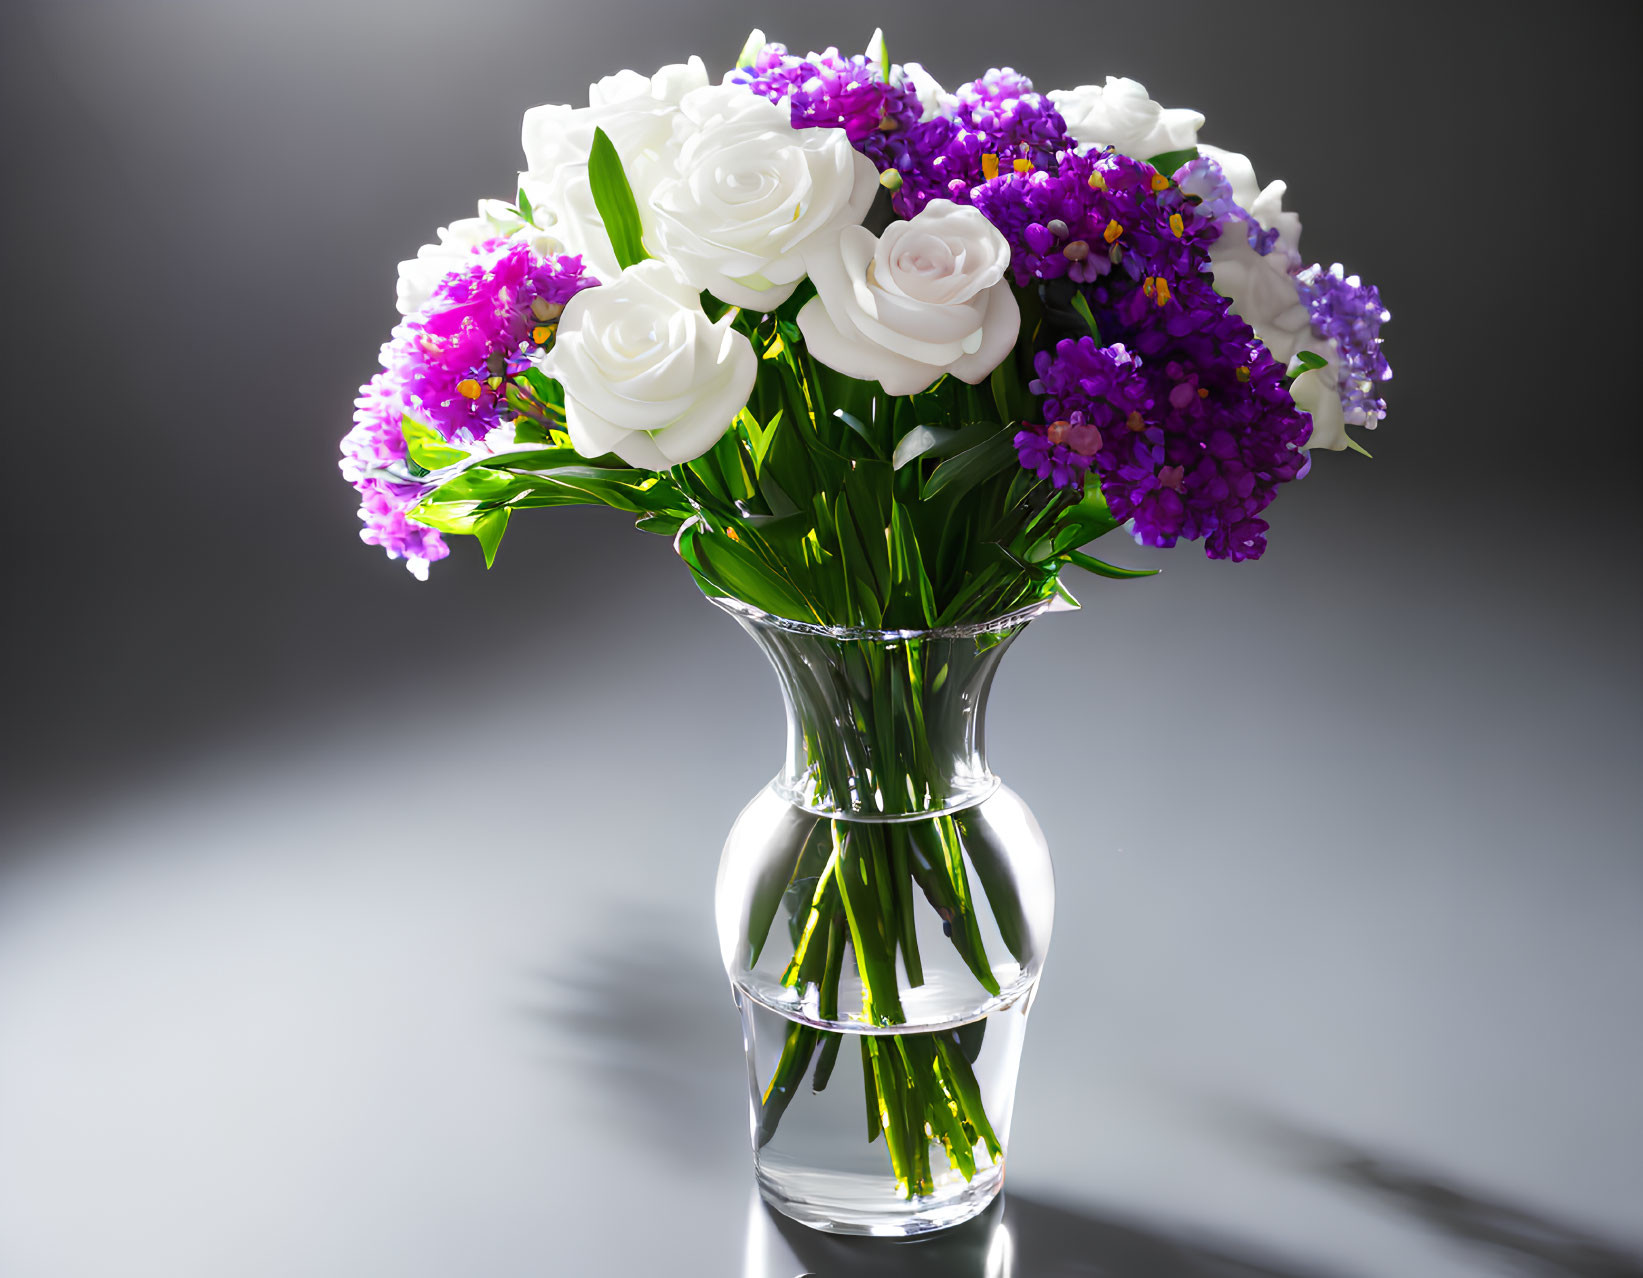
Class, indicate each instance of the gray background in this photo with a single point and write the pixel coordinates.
(355, 927)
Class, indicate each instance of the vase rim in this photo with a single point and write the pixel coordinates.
(864, 634)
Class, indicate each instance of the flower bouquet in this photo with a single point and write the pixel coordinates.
(882, 360)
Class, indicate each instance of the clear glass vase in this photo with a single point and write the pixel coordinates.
(884, 906)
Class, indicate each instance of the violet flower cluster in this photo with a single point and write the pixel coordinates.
(1198, 429)
(448, 366)
(1349, 313)
(998, 124)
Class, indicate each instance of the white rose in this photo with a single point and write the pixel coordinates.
(1317, 392)
(420, 276)
(1264, 204)
(637, 112)
(646, 374)
(750, 194)
(1121, 115)
(1263, 293)
(927, 298)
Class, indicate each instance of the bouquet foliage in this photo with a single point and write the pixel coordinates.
(872, 353)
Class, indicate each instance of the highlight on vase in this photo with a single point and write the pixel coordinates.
(882, 360)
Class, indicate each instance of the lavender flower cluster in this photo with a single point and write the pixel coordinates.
(1349, 313)
(448, 366)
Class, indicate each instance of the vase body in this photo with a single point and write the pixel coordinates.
(883, 907)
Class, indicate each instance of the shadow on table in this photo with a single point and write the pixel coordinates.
(652, 1028)
(1017, 1237)
(1522, 1240)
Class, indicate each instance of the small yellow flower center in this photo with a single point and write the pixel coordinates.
(1023, 166)
(1160, 182)
(468, 388)
(1176, 225)
(541, 333)
(989, 165)
(1242, 373)
(1097, 182)
(1135, 422)
(1112, 232)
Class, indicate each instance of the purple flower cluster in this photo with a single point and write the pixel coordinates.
(1000, 125)
(1104, 383)
(1095, 212)
(447, 366)
(1349, 312)
(1198, 438)
(828, 90)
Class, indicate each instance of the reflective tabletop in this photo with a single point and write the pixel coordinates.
(1344, 978)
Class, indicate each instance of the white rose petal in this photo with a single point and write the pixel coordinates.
(646, 374)
(1263, 293)
(637, 112)
(1262, 288)
(749, 194)
(928, 297)
(1264, 204)
(1121, 115)
(420, 275)
(932, 97)
(1317, 392)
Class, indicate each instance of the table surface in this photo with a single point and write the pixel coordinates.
(1343, 982)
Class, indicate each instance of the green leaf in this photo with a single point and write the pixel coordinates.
(907, 563)
(428, 447)
(1168, 161)
(856, 424)
(1103, 569)
(714, 308)
(939, 441)
(524, 206)
(958, 475)
(613, 197)
(1065, 594)
(1082, 306)
(489, 528)
(867, 559)
(726, 567)
(480, 484)
(1075, 527)
(1356, 447)
(663, 525)
(1306, 361)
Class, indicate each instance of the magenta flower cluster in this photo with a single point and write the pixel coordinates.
(830, 91)
(447, 366)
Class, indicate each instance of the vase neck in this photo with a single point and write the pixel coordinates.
(883, 726)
